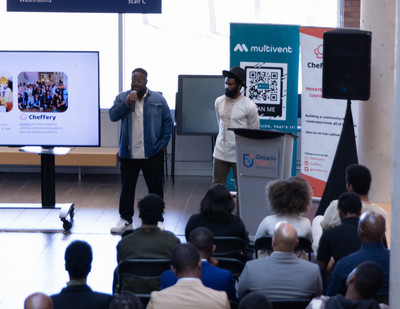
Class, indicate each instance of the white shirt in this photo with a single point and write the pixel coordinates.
(332, 219)
(301, 224)
(137, 130)
(233, 113)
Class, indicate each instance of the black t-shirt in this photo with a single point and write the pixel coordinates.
(235, 227)
(339, 241)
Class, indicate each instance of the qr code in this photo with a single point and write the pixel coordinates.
(264, 85)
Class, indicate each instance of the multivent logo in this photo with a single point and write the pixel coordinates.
(241, 48)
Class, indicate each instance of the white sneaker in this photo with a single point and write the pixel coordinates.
(121, 226)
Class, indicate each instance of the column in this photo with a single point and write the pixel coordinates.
(376, 114)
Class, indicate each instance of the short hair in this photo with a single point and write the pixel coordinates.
(359, 177)
(38, 300)
(125, 300)
(202, 238)
(78, 259)
(217, 204)
(140, 70)
(255, 300)
(184, 257)
(151, 209)
(289, 196)
(349, 203)
(368, 279)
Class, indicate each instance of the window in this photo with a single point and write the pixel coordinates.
(189, 37)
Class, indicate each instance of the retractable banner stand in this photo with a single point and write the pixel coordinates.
(270, 56)
(321, 119)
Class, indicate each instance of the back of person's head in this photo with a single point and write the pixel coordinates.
(38, 301)
(184, 258)
(371, 227)
(203, 239)
(285, 237)
(255, 300)
(289, 196)
(359, 177)
(151, 209)
(125, 300)
(350, 203)
(368, 279)
(78, 259)
(217, 204)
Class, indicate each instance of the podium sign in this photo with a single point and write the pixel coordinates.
(261, 164)
(261, 156)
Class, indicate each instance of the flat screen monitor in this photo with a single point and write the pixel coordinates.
(49, 98)
(195, 108)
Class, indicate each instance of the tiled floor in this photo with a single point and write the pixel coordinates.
(33, 241)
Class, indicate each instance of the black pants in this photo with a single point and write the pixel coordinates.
(152, 169)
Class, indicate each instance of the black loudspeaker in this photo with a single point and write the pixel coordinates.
(346, 72)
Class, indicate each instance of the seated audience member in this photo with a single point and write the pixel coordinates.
(188, 292)
(38, 301)
(371, 230)
(211, 276)
(77, 294)
(216, 214)
(288, 199)
(363, 284)
(343, 239)
(358, 180)
(147, 242)
(255, 300)
(282, 275)
(125, 300)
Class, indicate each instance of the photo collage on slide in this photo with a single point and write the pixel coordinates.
(36, 92)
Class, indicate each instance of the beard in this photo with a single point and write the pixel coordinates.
(232, 93)
(140, 91)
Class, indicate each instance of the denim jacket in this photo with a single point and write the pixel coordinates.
(157, 123)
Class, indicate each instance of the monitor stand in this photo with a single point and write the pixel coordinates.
(48, 188)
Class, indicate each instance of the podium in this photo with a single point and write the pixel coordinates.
(261, 156)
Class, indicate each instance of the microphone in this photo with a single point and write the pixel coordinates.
(133, 102)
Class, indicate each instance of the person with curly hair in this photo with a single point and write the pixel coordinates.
(289, 198)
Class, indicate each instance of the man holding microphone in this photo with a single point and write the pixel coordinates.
(146, 127)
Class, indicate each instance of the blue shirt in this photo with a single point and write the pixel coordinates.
(369, 252)
(213, 277)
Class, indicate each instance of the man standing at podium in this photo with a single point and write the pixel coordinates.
(233, 110)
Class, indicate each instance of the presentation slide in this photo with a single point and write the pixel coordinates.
(49, 98)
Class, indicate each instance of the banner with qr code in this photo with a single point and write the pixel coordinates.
(270, 56)
(321, 119)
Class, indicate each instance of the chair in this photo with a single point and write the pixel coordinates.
(290, 303)
(233, 265)
(140, 276)
(145, 298)
(229, 247)
(304, 246)
(265, 243)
